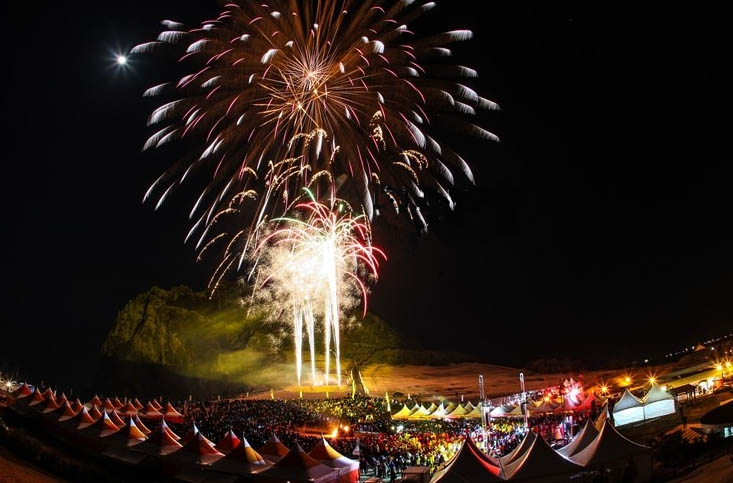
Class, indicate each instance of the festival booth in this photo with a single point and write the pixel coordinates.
(657, 402)
(545, 407)
(469, 464)
(402, 414)
(629, 409)
(420, 413)
(273, 450)
(458, 413)
(610, 450)
(228, 442)
(439, 413)
(475, 413)
(160, 443)
(347, 468)
(518, 452)
(151, 412)
(541, 463)
(581, 440)
(172, 415)
(242, 461)
(298, 467)
(501, 411)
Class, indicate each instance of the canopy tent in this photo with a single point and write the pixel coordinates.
(450, 407)
(95, 401)
(544, 408)
(457, 413)
(198, 451)
(519, 451)
(475, 413)
(138, 405)
(160, 443)
(128, 436)
(628, 409)
(516, 412)
(140, 425)
(402, 414)
(23, 391)
(115, 418)
(37, 398)
(243, 460)
(171, 414)
(581, 440)
(469, 464)
(156, 404)
(501, 411)
(76, 405)
(128, 409)
(51, 404)
(168, 430)
(101, 428)
(80, 421)
(439, 413)
(297, 467)
(95, 413)
(49, 392)
(539, 461)
(117, 403)
(228, 442)
(67, 412)
(420, 413)
(348, 469)
(193, 434)
(610, 448)
(273, 450)
(469, 407)
(657, 402)
(62, 399)
(432, 408)
(151, 412)
(108, 406)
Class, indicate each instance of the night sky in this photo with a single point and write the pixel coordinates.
(600, 226)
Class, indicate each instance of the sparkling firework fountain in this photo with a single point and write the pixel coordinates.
(316, 264)
(339, 97)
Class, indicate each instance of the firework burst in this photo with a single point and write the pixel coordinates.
(315, 267)
(338, 96)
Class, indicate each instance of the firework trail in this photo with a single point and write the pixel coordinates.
(317, 264)
(338, 96)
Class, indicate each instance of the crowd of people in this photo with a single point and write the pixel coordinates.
(385, 447)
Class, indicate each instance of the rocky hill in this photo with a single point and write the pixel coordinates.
(224, 339)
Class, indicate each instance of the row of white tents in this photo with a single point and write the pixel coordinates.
(441, 411)
(631, 409)
(469, 411)
(592, 449)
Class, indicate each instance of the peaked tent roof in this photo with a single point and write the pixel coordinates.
(469, 464)
(192, 434)
(228, 443)
(581, 440)
(23, 391)
(475, 413)
(325, 454)
(438, 413)
(95, 401)
(607, 447)
(297, 466)
(469, 407)
(450, 407)
(119, 422)
(516, 412)
(171, 414)
(656, 394)
(545, 407)
(108, 405)
(51, 404)
(129, 435)
(501, 411)
(244, 460)
(200, 451)
(457, 413)
(540, 461)
(150, 412)
(432, 408)
(67, 412)
(37, 398)
(402, 413)
(168, 430)
(117, 403)
(627, 401)
(128, 409)
(49, 392)
(273, 450)
(160, 443)
(138, 405)
(95, 413)
(156, 404)
(140, 425)
(519, 451)
(102, 428)
(81, 420)
(420, 413)
(76, 405)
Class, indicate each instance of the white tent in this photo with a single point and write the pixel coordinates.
(402, 413)
(438, 413)
(628, 409)
(657, 402)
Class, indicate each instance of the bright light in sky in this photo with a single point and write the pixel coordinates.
(121, 60)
